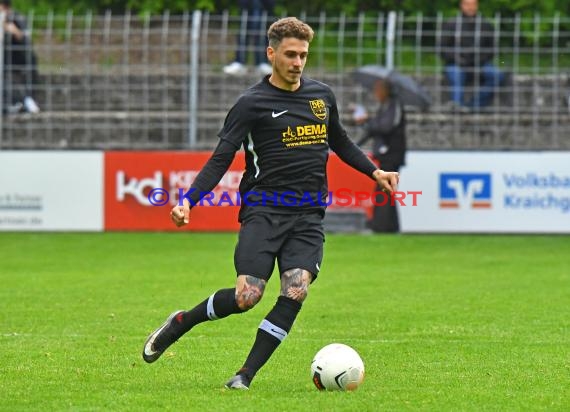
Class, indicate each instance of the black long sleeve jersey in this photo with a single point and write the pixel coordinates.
(286, 137)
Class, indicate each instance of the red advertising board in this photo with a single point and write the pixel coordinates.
(142, 187)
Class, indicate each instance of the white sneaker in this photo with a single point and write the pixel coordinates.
(30, 105)
(14, 108)
(235, 69)
(264, 69)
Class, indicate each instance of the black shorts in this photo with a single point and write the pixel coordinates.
(295, 240)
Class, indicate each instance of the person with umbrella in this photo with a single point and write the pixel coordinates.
(387, 129)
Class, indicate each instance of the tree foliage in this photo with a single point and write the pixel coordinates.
(295, 7)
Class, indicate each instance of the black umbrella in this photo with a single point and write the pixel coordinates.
(404, 87)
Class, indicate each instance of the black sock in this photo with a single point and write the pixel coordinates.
(217, 306)
(272, 330)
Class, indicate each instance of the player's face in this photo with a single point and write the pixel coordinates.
(469, 7)
(288, 61)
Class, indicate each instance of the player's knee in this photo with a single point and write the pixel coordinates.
(249, 291)
(297, 294)
(295, 284)
(248, 299)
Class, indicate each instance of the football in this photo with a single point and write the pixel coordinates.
(337, 367)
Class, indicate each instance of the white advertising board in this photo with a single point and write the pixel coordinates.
(47, 190)
(487, 192)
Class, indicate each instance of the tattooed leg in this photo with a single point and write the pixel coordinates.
(249, 291)
(295, 284)
(275, 327)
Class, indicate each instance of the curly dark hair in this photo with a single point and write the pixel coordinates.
(289, 27)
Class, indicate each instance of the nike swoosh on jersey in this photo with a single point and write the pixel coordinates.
(274, 115)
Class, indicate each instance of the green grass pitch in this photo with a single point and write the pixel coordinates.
(442, 323)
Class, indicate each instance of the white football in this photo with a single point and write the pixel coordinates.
(337, 367)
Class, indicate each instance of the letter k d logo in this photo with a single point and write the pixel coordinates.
(136, 188)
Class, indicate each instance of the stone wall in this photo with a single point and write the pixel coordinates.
(150, 111)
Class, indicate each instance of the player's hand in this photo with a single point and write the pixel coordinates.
(180, 215)
(388, 181)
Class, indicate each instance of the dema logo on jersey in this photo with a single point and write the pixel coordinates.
(465, 190)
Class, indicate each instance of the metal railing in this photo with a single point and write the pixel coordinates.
(156, 82)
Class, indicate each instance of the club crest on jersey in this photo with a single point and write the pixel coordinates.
(319, 108)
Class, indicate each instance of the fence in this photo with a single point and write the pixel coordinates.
(156, 82)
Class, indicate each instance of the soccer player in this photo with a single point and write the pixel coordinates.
(286, 124)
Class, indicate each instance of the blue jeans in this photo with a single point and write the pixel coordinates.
(255, 34)
(457, 76)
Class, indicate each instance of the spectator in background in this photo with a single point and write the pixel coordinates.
(20, 62)
(467, 50)
(254, 33)
(387, 129)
